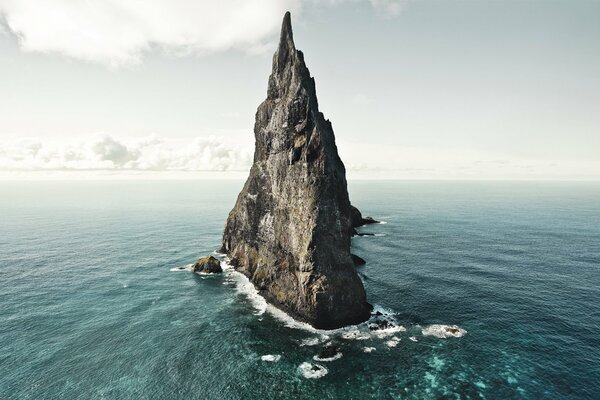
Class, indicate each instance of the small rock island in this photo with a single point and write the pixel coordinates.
(290, 229)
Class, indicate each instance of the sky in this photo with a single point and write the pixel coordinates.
(415, 89)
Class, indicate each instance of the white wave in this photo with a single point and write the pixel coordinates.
(312, 371)
(354, 332)
(329, 359)
(225, 266)
(245, 286)
(185, 268)
(313, 341)
(382, 333)
(206, 274)
(393, 342)
(382, 222)
(271, 357)
(368, 349)
(356, 335)
(310, 342)
(290, 322)
(371, 235)
(443, 331)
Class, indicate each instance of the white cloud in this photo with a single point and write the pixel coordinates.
(105, 152)
(119, 32)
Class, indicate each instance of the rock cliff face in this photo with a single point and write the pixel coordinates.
(290, 229)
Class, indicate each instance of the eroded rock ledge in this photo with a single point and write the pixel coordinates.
(290, 229)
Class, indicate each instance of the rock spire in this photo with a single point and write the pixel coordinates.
(290, 229)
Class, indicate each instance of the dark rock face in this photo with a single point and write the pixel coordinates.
(355, 217)
(207, 264)
(289, 231)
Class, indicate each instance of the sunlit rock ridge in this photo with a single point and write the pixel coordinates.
(290, 229)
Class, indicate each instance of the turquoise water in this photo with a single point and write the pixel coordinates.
(90, 309)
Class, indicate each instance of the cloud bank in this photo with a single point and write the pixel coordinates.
(119, 32)
(102, 154)
(105, 152)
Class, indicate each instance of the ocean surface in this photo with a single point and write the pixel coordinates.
(92, 306)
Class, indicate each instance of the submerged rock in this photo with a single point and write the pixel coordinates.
(381, 324)
(357, 260)
(329, 353)
(290, 229)
(207, 264)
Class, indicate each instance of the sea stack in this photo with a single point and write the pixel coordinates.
(290, 229)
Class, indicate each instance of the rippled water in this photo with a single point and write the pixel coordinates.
(90, 309)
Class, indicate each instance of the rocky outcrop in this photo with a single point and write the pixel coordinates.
(290, 229)
(207, 264)
(356, 219)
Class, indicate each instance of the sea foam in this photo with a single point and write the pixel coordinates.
(360, 331)
(246, 287)
(271, 357)
(443, 331)
(313, 341)
(393, 342)
(329, 359)
(312, 371)
(356, 335)
(368, 349)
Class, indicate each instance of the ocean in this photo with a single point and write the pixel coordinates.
(92, 305)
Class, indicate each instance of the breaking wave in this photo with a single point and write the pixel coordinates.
(443, 331)
(271, 357)
(312, 371)
(186, 268)
(363, 331)
(329, 359)
(368, 349)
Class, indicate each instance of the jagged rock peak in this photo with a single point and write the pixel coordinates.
(289, 72)
(286, 51)
(289, 231)
(287, 36)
